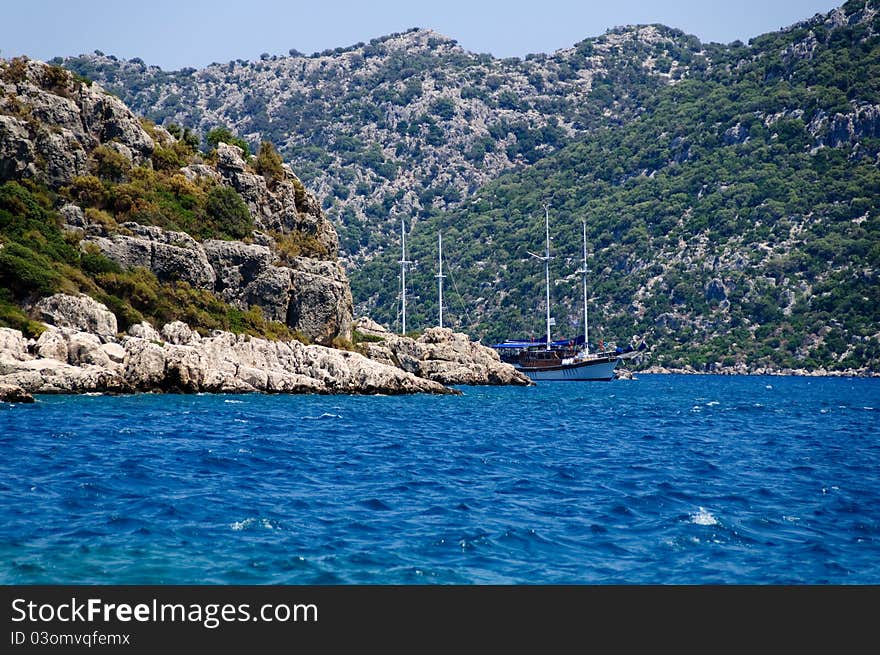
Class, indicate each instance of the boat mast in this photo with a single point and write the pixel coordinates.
(546, 260)
(586, 308)
(403, 262)
(547, 267)
(440, 275)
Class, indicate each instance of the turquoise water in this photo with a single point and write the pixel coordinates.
(665, 479)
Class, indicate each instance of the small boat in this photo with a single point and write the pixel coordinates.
(565, 359)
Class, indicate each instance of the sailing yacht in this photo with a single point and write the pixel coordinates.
(560, 360)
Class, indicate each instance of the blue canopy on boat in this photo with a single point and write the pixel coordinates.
(530, 343)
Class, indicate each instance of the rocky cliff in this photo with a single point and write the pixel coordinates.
(86, 145)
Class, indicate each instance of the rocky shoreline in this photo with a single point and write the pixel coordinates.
(80, 352)
(743, 370)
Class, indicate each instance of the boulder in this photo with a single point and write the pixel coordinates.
(144, 330)
(12, 393)
(51, 344)
(13, 344)
(78, 312)
(320, 300)
(84, 348)
(179, 333)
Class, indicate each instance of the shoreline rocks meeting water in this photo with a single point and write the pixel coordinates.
(80, 352)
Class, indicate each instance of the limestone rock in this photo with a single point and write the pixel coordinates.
(78, 312)
(444, 356)
(52, 345)
(12, 393)
(170, 255)
(246, 276)
(366, 325)
(79, 118)
(320, 301)
(284, 208)
(179, 333)
(84, 348)
(13, 343)
(144, 330)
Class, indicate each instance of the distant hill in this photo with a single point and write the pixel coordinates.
(736, 221)
(409, 123)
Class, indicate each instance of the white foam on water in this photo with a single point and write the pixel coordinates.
(234, 402)
(318, 418)
(703, 517)
(712, 403)
(237, 526)
(769, 386)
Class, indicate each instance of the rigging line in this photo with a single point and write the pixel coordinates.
(460, 297)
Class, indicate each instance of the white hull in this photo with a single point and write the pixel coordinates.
(600, 370)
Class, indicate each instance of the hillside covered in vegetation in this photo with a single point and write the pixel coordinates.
(95, 200)
(737, 221)
(408, 124)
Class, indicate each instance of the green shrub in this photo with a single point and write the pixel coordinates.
(86, 190)
(225, 135)
(108, 164)
(360, 337)
(298, 244)
(167, 159)
(268, 163)
(26, 273)
(12, 316)
(228, 213)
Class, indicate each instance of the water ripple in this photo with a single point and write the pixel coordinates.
(668, 479)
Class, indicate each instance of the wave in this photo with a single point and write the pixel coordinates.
(703, 517)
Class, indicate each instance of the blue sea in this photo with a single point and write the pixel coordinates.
(661, 480)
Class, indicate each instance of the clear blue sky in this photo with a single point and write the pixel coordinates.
(177, 33)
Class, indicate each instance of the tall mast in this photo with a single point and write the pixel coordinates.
(586, 308)
(440, 275)
(403, 262)
(547, 267)
(546, 260)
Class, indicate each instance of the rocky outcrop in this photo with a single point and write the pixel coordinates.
(81, 313)
(48, 137)
(309, 295)
(68, 359)
(245, 275)
(50, 129)
(11, 393)
(441, 355)
(320, 302)
(170, 255)
(284, 208)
